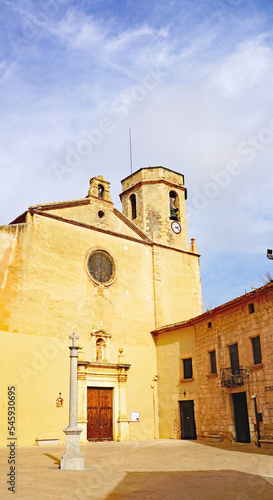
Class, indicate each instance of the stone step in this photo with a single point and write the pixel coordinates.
(213, 438)
(266, 443)
(46, 441)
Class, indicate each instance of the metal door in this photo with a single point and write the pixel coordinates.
(241, 417)
(187, 420)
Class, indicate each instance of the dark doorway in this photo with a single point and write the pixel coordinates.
(99, 414)
(241, 417)
(187, 420)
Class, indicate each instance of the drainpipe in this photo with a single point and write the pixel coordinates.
(257, 420)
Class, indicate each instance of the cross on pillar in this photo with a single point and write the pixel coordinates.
(74, 337)
(73, 459)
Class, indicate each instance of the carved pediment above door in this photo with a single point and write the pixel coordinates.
(100, 345)
(101, 333)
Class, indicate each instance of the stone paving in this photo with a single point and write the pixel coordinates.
(152, 470)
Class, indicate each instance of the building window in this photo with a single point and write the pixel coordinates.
(256, 347)
(133, 206)
(234, 359)
(251, 308)
(100, 190)
(101, 267)
(187, 368)
(174, 206)
(209, 324)
(212, 356)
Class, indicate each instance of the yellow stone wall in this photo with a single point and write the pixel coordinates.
(172, 347)
(10, 262)
(177, 285)
(38, 367)
(46, 293)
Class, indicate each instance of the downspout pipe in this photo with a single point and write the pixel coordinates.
(257, 420)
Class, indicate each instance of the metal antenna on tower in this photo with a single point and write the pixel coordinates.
(130, 145)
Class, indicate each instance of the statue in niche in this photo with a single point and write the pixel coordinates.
(99, 346)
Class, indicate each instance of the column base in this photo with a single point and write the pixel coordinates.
(123, 429)
(72, 458)
(72, 462)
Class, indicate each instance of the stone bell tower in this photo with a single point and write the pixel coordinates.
(153, 198)
(100, 188)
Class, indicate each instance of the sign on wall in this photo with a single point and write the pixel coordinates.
(135, 416)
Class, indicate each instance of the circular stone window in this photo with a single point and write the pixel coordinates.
(101, 267)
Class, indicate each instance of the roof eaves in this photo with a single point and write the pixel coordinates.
(216, 310)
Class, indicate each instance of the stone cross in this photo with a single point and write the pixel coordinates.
(74, 337)
(73, 459)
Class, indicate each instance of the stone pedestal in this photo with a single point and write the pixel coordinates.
(72, 459)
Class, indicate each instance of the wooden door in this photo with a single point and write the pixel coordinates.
(187, 420)
(99, 414)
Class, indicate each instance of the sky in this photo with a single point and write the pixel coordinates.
(192, 80)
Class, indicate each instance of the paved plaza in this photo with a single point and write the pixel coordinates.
(160, 469)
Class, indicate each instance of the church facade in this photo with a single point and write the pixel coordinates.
(111, 277)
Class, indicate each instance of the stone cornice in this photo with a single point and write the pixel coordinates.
(159, 181)
(96, 364)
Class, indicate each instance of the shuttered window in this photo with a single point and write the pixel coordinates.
(187, 367)
(213, 368)
(256, 346)
(234, 359)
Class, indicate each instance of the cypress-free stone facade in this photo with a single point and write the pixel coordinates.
(117, 279)
(82, 266)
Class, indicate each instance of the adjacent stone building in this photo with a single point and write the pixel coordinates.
(216, 372)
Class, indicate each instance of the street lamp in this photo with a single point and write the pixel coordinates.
(269, 254)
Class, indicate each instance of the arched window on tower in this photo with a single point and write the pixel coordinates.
(100, 190)
(174, 205)
(133, 206)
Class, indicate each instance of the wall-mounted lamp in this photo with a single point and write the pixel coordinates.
(269, 254)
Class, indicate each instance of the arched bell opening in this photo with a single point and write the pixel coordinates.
(133, 206)
(100, 191)
(174, 205)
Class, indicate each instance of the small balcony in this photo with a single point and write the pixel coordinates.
(233, 378)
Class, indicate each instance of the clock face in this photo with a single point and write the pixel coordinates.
(176, 227)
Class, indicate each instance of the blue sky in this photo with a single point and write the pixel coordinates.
(191, 79)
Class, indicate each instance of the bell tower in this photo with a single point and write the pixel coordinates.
(153, 198)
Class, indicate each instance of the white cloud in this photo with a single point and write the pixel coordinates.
(245, 69)
(214, 92)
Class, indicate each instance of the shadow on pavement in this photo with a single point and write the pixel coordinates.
(194, 485)
(57, 460)
(243, 448)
